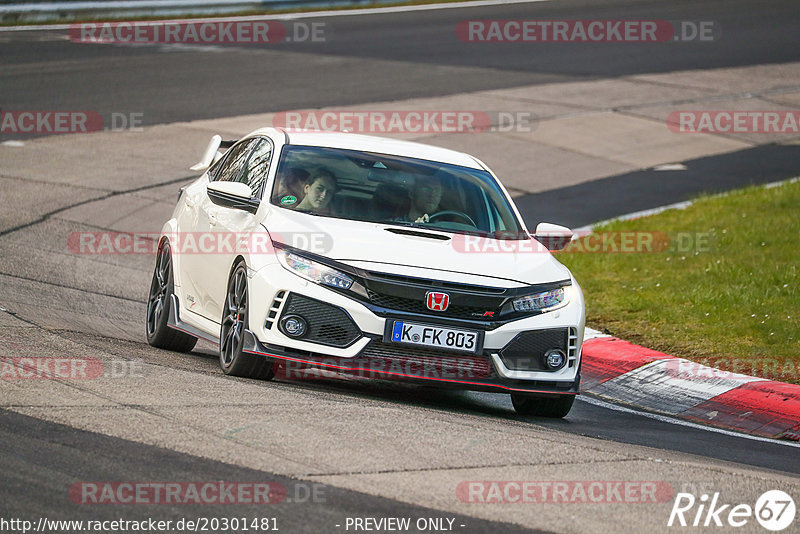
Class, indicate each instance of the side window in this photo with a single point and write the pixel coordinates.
(232, 166)
(258, 166)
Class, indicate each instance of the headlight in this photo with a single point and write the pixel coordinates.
(544, 301)
(314, 271)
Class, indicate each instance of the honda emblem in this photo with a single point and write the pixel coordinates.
(437, 301)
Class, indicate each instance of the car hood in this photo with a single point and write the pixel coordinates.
(395, 249)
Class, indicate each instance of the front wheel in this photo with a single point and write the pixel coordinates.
(159, 334)
(232, 358)
(555, 407)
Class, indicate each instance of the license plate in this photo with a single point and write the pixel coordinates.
(435, 337)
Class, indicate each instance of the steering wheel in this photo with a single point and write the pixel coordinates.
(456, 213)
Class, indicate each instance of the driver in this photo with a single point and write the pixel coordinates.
(425, 198)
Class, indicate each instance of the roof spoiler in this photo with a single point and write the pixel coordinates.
(212, 153)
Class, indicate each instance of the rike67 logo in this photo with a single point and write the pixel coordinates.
(774, 510)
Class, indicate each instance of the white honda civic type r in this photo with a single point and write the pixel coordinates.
(302, 253)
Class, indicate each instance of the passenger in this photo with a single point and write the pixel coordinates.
(318, 191)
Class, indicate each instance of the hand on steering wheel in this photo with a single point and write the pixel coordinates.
(456, 213)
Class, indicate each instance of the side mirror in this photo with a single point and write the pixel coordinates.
(234, 195)
(553, 236)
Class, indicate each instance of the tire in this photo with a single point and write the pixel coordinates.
(555, 407)
(232, 359)
(158, 307)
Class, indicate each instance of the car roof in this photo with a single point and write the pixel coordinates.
(380, 145)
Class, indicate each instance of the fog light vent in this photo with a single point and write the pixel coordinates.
(528, 351)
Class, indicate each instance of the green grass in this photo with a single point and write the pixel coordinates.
(732, 303)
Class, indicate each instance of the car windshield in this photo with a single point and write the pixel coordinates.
(396, 190)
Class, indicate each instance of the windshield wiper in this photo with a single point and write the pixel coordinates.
(434, 228)
(403, 231)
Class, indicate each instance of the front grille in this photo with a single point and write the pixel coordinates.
(526, 351)
(418, 305)
(425, 363)
(327, 324)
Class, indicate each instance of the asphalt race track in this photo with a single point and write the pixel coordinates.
(377, 58)
(377, 449)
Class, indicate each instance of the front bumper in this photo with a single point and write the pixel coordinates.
(379, 362)
(368, 354)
